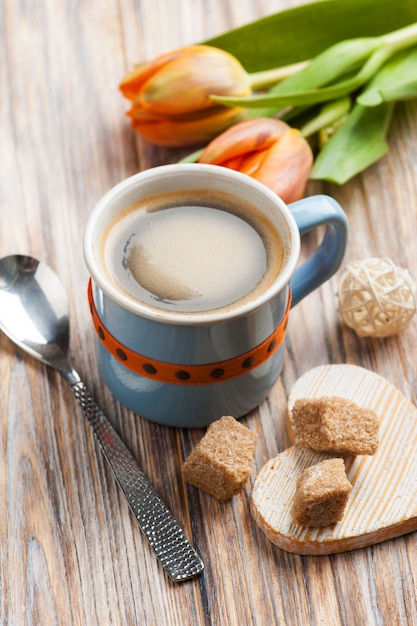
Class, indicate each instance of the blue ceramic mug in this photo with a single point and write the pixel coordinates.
(185, 366)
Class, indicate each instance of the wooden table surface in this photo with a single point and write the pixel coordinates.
(71, 552)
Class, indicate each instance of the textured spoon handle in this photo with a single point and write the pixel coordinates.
(176, 554)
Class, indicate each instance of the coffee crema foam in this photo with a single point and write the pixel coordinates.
(192, 251)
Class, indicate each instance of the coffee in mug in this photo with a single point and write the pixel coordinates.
(192, 251)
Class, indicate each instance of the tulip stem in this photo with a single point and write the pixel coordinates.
(331, 114)
(258, 80)
(401, 38)
(193, 157)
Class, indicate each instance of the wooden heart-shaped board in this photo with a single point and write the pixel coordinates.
(383, 501)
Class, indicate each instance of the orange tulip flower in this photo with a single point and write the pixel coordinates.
(266, 149)
(170, 95)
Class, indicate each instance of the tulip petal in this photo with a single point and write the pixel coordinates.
(287, 166)
(131, 84)
(194, 71)
(235, 163)
(184, 84)
(267, 149)
(187, 130)
(252, 162)
(243, 138)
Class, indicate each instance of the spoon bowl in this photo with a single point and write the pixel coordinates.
(34, 310)
(34, 315)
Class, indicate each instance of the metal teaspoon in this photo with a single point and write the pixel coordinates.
(34, 315)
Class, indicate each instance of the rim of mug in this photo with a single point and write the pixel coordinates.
(122, 189)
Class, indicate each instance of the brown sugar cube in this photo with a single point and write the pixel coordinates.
(335, 425)
(222, 461)
(321, 494)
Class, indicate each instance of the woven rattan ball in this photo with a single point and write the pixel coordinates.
(376, 298)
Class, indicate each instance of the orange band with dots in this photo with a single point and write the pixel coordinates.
(206, 374)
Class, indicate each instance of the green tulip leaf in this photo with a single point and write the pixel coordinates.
(397, 80)
(357, 144)
(302, 87)
(303, 32)
(283, 97)
(374, 97)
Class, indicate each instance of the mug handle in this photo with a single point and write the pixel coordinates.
(310, 213)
